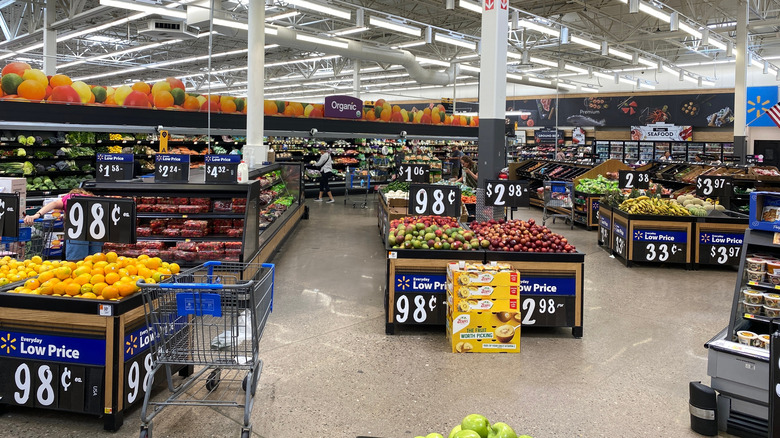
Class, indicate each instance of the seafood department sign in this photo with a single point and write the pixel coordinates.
(662, 131)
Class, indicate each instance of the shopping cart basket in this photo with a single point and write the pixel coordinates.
(357, 179)
(32, 241)
(558, 195)
(211, 317)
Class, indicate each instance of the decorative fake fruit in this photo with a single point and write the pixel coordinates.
(136, 99)
(31, 89)
(11, 82)
(65, 94)
(121, 94)
(178, 95)
(100, 94)
(15, 67)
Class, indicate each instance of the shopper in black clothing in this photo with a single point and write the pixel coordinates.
(457, 153)
(325, 164)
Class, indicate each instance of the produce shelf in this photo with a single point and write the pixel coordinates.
(193, 239)
(191, 215)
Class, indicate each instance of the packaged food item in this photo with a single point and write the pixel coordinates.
(164, 201)
(187, 256)
(772, 300)
(222, 206)
(145, 200)
(770, 214)
(151, 252)
(131, 252)
(233, 245)
(164, 208)
(196, 224)
(239, 201)
(211, 255)
(233, 252)
(211, 246)
(143, 231)
(144, 208)
(773, 278)
(166, 254)
(158, 223)
(187, 246)
(234, 232)
(192, 209)
(238, 223)
(239, 209)
(754, 309)
(172, 232)
(756, 264)
(193, 233)
(228, 258)
(753, 296)
(763, 341)
(151, 244)
(755, 275)
(772, 266)
(746, 337)
(180, 201)
(222, 230)
(222, 222)
(200, 201)
(771, 312)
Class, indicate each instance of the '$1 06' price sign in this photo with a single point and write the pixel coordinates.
(430, 199)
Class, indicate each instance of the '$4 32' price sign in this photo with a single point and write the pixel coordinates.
(96, 219)
(429, 199)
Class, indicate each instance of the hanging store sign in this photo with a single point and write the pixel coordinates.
(662, 131)
(343, 107)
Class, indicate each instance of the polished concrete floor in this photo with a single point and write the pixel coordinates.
(330, 370)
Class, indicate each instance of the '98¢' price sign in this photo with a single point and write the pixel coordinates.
(425, 199)
(100, 219)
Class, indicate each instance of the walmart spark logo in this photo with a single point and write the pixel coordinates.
(706, 238)
(760, 106)
(638, 235)
(7, 343)
(131, 345)
(403, 283)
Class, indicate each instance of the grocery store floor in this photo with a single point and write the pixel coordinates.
(330, 370)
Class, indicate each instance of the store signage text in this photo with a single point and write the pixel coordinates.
(53, 348)
(730, 239)
(620, 230)
(420, 283)
(343, 107)
(660, 236)
(604, 221)
(548, 285)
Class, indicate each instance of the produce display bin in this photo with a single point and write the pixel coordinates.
(717, 239)
(652, 239)
(605, 227)
(82, 356)
(586, 209)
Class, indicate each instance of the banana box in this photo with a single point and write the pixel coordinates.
(481, 304)
(484, 332)
(479, 274)
(474, 291)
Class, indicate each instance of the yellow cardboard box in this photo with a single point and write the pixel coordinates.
(478, 274)
(481, 304)
(481, 291)
(484, 332)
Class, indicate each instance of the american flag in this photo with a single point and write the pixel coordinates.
(774, 114)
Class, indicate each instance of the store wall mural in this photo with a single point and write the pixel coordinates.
(697, 110)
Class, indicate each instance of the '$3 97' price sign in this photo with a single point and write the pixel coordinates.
(716, 186)
(96, 219)
(429, 199)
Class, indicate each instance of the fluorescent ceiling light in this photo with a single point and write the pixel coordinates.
(514, 76)
(727, 61)
(589, 89)
(539, 81)
(470, 56)
(409, 44)
(647, 62)
(323, 41)
(423, 60)
(514, 55)
(566, 86)
(620, 54)
(626, 80)
(469, 68)
(393, 25)
(103, 39)
(601, 75)
(756, 63)
(455, 41)
(575, 68)
(282, 16)
(231, 23)
(585, 42)
(671, 70)
(690, 79)
(536, 60)
(707, 83)
(655, 12)
(301, 61)
(691, 31)
(133, 6)
(471, 6)
(540, 28)
(23, 50)
(318, 7)
(349, 31)
(119, 53)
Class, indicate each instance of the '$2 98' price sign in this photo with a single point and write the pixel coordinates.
(504, 193)
(430, 199)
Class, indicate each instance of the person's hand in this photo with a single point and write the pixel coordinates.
(28, 220)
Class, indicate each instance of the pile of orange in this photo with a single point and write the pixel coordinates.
(99, 276)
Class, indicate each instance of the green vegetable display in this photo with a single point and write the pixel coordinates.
(396, 185)
(596, 185)
(464, 189)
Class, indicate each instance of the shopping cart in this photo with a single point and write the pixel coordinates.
(32, 241)
(361, 179)
(558, 195)
(211, 317)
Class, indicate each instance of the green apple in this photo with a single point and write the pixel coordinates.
(501, 430)
(454, 430)
(525, 436)
(466, 434)
(434, 435)
(477, 423)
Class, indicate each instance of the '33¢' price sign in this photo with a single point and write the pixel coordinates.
(438, 200)
(100, 219)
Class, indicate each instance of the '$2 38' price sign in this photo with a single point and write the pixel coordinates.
(96, 219)
(438, 200)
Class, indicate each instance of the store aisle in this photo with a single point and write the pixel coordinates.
(330, 371)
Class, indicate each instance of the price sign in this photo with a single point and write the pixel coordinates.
(100, 219)
(605, 228)
(542, 311)
(9, 215)
(629, 179)
(222, 169)
(436, 200)
(717, 248)
(619, 243)
(416, 173)
(420, 308)
(660, 246)
(114, 167)
(170, 168)
(503, 193)
(714, 186)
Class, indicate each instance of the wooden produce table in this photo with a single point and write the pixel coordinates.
(586, 208)
(652, 239)
(74, 355)
(605, 227)
(717, 240)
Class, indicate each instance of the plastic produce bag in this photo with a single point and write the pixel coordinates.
(240, 333)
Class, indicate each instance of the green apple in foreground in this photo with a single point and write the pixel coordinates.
(466, 434)
(434, 435)
(454, 430)
(477, 423)
(501, 430)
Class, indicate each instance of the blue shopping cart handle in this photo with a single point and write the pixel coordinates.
(213, 286)
(21, 221)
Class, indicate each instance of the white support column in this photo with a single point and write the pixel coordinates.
(356, 77)
(49, 38)
(740, 81)
(255, 152)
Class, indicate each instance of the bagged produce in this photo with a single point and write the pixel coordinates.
(233, 245)
(238, 223)
(233, 252)
(143, 232)
(187, 246)
(166, 201)
(211, 246)
(164, 208)
(151, 244)
(144, 208)
(222, 206)
(193, 233)
(180, 201)
(239, 209)
(172, 232)
(235, 232)
(222, 230)
(145, 200)
(200, 201)
(239, 201)
(187, 256)
(158, 223)
(196, 225)
(191, 209)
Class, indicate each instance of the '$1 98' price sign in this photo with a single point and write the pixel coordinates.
(439, 200)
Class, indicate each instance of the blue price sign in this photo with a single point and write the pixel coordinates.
(660, 245)
(171, 168)
(222, 169)
(113, 167)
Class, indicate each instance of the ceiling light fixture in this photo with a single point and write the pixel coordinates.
(409, 44)
(536, 60)
(325, 9)
(514, 76)
(540, 28)
(133, 6)
(620, 54)
(589, 89)
(323, 41)
(424, 60)
(574, 68)
(565, 85)
(539, 81)
(655, 12)
(585, 42)
(230, 23)
(455, 41)
(282, 16)
(349, 31)
(601, 75)
(471, 6)
(119, 53)
(469, 68)
(396, 26)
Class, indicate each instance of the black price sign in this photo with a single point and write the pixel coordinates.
(100, 219)
(619, 242)
(605, 229)
(630, 179)
(9, 215)
(170, 168)
(222, 169)
(659, 252)
(720, 248)
(420, 308)
(503, 193)
(138, 374)
(542, 311)
(416, 173)
(436, 200)
(48, 385)
(114, 167)
(714, 186)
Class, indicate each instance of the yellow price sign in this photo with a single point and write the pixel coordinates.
(748, 316)
(163, 141)
(753, 283)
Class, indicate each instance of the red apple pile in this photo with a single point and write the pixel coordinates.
(430, 232)
(519, 236)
